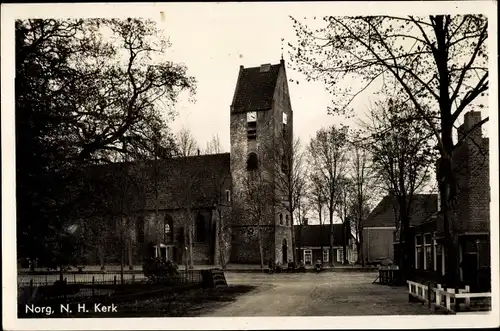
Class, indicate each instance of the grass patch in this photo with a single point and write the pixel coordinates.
(189, 303)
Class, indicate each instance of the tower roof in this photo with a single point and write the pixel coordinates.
(255, 88)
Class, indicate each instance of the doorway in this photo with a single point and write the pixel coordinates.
(285, 252)
(308, 256)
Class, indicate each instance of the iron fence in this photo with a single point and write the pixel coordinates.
(32, 288)
(115, 278)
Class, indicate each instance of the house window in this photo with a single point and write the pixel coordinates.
(228, 195)
(200, 229)
(252, 161)
(418, 252)
(139, 229)
(281, 219)
(435, 256)
(307, 256)
(428, 262)
(168, 229)
(286, 219)
(326, 255)
(340, 255)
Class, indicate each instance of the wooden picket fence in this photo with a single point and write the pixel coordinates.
(447, 299)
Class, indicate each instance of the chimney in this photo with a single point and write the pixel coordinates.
(265, 67)
(198, 152)
(470, 119)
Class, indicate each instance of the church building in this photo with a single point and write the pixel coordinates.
(216, 208)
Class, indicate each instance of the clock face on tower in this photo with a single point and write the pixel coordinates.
(252, 116)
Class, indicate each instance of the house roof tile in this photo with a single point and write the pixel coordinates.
(315, 235)
(382, 215)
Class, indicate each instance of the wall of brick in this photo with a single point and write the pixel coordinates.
(471, 166)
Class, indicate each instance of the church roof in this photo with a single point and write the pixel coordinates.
(194, 181)
(255, 88)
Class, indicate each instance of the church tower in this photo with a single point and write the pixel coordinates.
(261, 121)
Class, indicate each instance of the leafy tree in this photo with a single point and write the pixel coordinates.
(439, 63)
(84, 98)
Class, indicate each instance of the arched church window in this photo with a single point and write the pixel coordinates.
(200, 229)
(281, 219)
(252, 161)
(286, 219)
(168, 229)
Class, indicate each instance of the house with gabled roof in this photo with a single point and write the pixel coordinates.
(312, 242)
(380, 230)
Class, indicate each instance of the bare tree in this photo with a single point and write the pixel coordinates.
(439, 63)
(256, 204)
(290, 179)
(187, 144)
(329, 159)
(402, 157)
(362, 188)
(214, 146)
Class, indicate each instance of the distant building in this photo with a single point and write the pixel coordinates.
(207, 193)
(313, 243)
(379, 229)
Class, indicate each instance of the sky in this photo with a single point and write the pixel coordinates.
(214, 45)
(214, 40)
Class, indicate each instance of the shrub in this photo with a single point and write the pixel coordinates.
(158, 270)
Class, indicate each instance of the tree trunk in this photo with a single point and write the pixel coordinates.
(361, 252)
(294, 253)
(100, 250)
(222, 242)
(190, 246)
(130, 255)
(261, 249)
(451, 264)
(122, 258)
(331, 236)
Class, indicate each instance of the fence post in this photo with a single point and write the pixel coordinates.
(429, 298)
(448, 298)
(438, 295)
(31, 287)
(114, 280)
(74, 278)
(467, 300)
(133, 278)
(46, 280)
(93, 285)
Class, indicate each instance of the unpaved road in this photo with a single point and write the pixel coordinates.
(311, 294)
